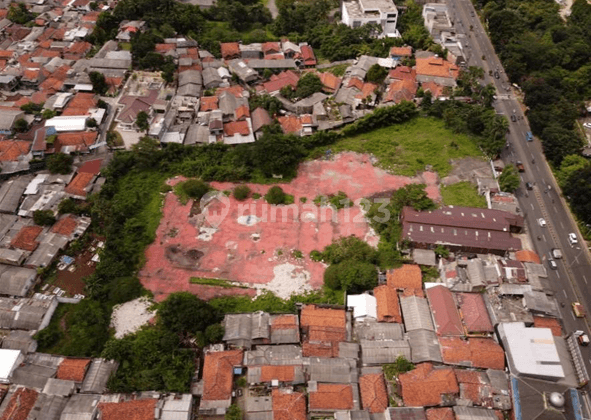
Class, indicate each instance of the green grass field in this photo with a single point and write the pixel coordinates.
(462, 194)
(406, 149)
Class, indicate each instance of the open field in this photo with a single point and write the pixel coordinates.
(462, 194)
(261, 245)
(406, 149)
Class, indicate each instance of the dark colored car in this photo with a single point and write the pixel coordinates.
(513, 117)
(529, 186)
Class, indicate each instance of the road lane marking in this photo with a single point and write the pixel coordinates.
(544, 236)
(565, 295)
(585, 278)
(532, 205)
(571, 314)
(561, 225)
(558, 274)
(555, 210)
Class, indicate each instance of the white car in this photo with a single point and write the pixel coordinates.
(572, 238)
(542, 222)
(587, 125)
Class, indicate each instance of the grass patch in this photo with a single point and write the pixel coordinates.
(406, 149)
(337, 70)
(462, 194)
(126, 46)
(215, 282)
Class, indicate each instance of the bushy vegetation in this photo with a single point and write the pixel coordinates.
(338, 201)
(463, 194)
(276, 196)
(509, 180)
(241, 192)
(401, 365)
(60, 163)
(43, 217)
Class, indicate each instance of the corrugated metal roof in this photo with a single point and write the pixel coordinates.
(19, 340)
(378, 330)
(424, 346)
(33, 376)
(81, 407)
(474, 413)
(16, 281)
(48, 407)
(11, 192)
(274, 355)
(416, 313)
(348, 350)
(98, 375)
(335, 370)
(382, 352)
(61, 387)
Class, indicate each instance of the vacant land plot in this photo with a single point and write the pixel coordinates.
(260, 244)
(462, 194)
(406, 149)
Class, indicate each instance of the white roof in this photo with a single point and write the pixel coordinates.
(363, 305)
(98, 114)
(62, 99)
(531, 351)
(85, 87)
(9, 359)
(33, 186)
(70, 123)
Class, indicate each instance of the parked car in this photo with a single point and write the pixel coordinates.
(529, 136)
(542, 222)
(520, 166)
(529, 186)
(583, 339)
(587, 125)
(552, 264)
(578, 310)
(513, 117)
(556, 253)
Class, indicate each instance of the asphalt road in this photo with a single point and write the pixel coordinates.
(571, 281)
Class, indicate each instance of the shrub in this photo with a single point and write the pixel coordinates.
(43, 217)
(195, 188)
(60, 163)
(241, 192)
(275, 195)
(352, 276)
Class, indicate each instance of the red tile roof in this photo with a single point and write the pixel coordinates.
(323, 324)
(290, 124)
(65, 226)
(80, 104)
(10, 150)
(320, 349)
(281, 373)
(5, 54)
(366, 90)
(284, 322)
(474, 313)
(330, 82)
(425, 386)
(84, 139)
(331, 397)
(308, 55)
(552, 323)
(20, 405)
(242, 112)
(25, 238)
(436, 67)
(401, 90)
(435, 89)
(271, 48)
(288, 405)
(374, 396)
(236, 127)
(445, 413)
(72, 369)
(482, 353)
(236, 90)
(445, 313)
(388, 306)
(218, 374)
(406, 277)
(527, 256)
(208, 103)
(230, 50)
(164, 48)
(79, 184)
(91, 166)
(279, 81)
(129, 410)
(356, 83)
(401, 51)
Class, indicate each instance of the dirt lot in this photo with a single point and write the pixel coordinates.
(263, 245)
(468, 169)
(71, 281)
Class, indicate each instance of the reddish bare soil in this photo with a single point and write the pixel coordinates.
(250, 251)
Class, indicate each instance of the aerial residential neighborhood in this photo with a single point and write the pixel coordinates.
(290, 210)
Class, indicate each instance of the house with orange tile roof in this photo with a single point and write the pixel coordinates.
(11, 150)
(75, 142)
(81, 185)
(308, 57)
(403, 73)
(427, 386)
(473, 313)
(288, 405)
(400, 90)
(73, 369)
(398, 53)
(218, 379)
(482, 353)
(374, 396)
(20, 405)
(274, 374)
(323, 324)
(330, 82)
(443, 413)
(487, 389)
(290, 124)
(445, 312)
(26, 238)
(328, 398)
(230, 50)
(388, 306)
(552, 323)
(80, 104)
(133, 410)
(436, 69)
(407, 277)
(284, 329)
(238, 132)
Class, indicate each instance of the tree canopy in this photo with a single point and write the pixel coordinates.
(185, 313)
(509, 180)
(60, 163)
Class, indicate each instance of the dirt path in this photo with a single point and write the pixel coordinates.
(273, 8)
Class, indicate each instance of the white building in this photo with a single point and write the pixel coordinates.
(364, 306)
(357, 13)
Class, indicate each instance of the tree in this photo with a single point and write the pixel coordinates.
(241, 192)
(99, 83)
(147, 152)
(509, 180)
(67, 205)
(349, 248)
(352, 276)
(376, 74)
(60, 163)
(43, 217)
(195, 188)
(214, 333)
(19, 14)
(20, 125)
(234, 413)
(277, 154)
(441, 251)
(578, 191)
(141, 121)
(571, 164)
(91, 123)
(308, 85)
(48, 114)
(275, 195)
(185, 313)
